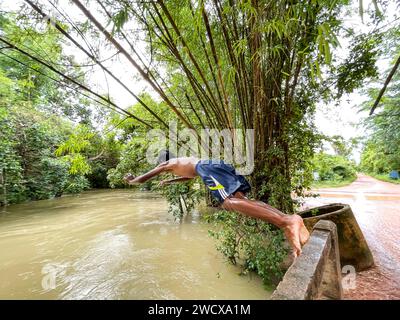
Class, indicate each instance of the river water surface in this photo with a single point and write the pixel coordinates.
(113, 244)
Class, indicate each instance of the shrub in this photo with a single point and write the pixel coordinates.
(333, 167)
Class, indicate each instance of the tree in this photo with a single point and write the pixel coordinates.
(244, 65)
(381, 152)
(30, 133)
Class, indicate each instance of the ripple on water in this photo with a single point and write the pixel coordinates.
(113, 245)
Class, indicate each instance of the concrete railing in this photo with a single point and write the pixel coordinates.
(316, 273)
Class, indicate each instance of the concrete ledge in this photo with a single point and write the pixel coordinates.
(316, 272)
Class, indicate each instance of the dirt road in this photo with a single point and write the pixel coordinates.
(376, 205)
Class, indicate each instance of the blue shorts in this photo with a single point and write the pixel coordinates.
(221, 179)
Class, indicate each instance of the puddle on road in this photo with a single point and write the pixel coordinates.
(384, 198)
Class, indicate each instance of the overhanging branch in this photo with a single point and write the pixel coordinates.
(382, 92)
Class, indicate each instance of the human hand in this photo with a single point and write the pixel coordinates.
(128, 178)
(162, 183)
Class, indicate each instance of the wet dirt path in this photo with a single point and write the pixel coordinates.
(376, 205)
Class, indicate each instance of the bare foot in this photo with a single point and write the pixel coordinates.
(304, 234)
(296, 233)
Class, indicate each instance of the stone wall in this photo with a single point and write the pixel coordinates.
(316, 273)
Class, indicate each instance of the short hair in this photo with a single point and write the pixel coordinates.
(164, 156)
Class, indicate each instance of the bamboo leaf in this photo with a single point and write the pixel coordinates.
(327, 52)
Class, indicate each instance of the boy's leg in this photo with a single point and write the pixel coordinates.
(292, 225)
(240, 195)
(304, 234)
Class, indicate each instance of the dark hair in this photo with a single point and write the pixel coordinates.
(165, 155)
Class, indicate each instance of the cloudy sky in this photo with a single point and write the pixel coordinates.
(330, 119)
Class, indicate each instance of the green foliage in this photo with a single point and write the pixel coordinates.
(359, 65)
(90, 154)
(29, 132)
(262, 252)
(133, 143)
(77, 141)
(30, 169)
(132, 160)
(73, 147)
(76, 184)
(182, 198)
(333, 167)
(375, 159)
(10, 163)
(44, 93)
(342, 147)
(47, 180)
(381, 152)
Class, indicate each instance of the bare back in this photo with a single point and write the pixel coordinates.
(183, 167)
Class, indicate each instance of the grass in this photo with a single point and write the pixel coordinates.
(384, 177)
(332, 184)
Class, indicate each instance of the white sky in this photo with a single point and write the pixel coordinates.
(330, 120)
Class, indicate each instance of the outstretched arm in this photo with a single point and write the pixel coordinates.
(130, 179)
(181, 179)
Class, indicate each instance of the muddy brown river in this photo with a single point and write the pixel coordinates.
(113, 244)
